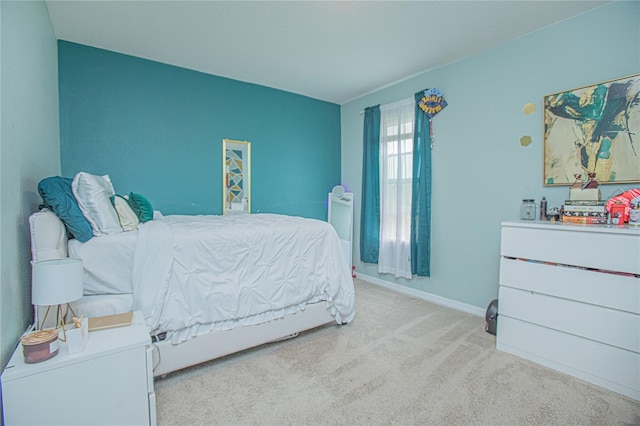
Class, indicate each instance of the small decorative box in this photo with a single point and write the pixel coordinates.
(77, 337)
(617, 214)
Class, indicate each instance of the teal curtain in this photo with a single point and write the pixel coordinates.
(370, 211)
(421, 194)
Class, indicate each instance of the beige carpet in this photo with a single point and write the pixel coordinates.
(401, 361)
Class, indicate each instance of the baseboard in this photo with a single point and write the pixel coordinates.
(439, 300)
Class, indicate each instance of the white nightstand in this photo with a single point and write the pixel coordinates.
(110, 382)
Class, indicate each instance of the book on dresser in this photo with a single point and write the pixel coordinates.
(587, 220)
(585, 212)
(585, 203)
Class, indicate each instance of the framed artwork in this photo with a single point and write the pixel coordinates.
(593, 130)
(236, 176)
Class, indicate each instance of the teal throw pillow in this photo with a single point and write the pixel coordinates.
(141, 207)
(58, 197)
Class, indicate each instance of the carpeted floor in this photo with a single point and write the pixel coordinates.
(401, 361)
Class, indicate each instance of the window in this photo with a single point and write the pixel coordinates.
(396, 162)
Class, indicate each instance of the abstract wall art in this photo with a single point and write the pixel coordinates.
(593, 130)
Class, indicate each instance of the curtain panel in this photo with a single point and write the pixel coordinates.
(396, 146)
(370, 208)
(421, 194)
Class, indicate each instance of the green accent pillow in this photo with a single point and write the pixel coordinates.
(141, 207)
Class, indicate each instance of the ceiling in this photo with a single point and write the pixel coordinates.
(335, 51)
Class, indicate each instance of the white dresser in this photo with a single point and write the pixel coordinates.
(109, 383)
(570, 299)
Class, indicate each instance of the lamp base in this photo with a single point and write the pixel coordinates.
(59, 319)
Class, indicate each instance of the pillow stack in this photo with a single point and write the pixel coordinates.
(89, 206)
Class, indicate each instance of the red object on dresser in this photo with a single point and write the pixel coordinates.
(623, 200)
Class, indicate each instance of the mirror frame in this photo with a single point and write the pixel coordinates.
(230, 205)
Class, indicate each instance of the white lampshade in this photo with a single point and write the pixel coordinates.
(56, 281)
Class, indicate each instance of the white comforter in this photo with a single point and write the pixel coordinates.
(194, 274)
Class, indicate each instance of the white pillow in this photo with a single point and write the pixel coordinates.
(128, 218)
(93, 194)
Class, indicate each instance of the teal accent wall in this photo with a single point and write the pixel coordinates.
(29, 151)
(481, 173)
(157, 130)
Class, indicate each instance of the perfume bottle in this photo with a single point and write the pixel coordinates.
(543, 209)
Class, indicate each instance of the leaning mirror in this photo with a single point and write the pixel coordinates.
(236, 176)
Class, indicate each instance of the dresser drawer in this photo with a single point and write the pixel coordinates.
(597, 248)
(604, 365)
(597, 288)
(610, 326)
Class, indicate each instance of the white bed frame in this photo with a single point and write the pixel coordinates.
(168, 357)
(49, 241)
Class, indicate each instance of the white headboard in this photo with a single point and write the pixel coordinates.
(48, 236)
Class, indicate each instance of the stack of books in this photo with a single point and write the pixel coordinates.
(585, 211)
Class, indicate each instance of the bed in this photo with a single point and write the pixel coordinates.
(207, 285)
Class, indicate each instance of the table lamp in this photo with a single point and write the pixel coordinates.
(56, 282)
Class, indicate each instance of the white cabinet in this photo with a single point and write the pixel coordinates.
(109, 383)
(570, 299)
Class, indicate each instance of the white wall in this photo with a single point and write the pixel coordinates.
(480, 171)
(29, 151)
